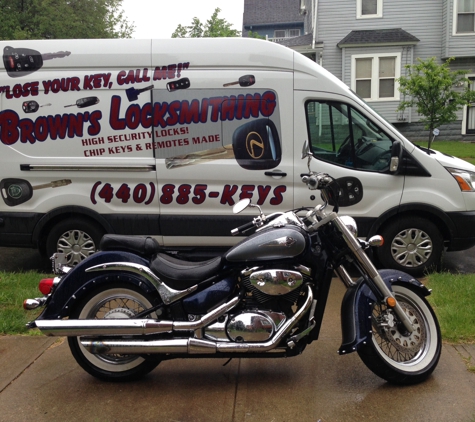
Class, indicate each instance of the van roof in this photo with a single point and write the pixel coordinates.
(200, 52)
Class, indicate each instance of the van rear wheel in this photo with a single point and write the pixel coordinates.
(76, 238)
(411, 244)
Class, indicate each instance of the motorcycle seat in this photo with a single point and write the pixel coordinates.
(141, 245)
(180, 274)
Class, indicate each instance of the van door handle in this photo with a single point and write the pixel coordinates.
(277, 173)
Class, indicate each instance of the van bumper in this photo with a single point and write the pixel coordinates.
(463, 236)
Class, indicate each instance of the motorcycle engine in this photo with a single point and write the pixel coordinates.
(265, 288)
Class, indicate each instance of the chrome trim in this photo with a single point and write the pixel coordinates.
(276, 282)
(103, 327)
(108, 327)
(65, 167)
(193, 345)
(167, 294)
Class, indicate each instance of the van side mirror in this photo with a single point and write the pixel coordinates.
(396, 157)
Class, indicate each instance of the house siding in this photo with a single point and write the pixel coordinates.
(430, 21)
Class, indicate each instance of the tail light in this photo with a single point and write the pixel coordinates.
(46, 285)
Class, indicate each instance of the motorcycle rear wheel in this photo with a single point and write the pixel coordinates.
(112, 302)
(397, 356)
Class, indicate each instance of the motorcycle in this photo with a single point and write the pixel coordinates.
(130, 306)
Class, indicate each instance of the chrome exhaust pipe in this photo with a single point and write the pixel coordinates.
(138, 347)
(193, 345)
(126, 327)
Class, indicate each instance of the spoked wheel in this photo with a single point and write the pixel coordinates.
(107, 303)
(393, 353)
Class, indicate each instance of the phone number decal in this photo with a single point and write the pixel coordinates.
(140, 194)
(186, 194)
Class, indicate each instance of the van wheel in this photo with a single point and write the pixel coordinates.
(76, 238)
(413, 245)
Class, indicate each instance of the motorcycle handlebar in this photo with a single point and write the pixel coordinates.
(243, 228)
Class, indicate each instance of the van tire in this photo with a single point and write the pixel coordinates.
(411, 244)
(77, 238)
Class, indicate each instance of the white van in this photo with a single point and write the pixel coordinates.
(162, 137)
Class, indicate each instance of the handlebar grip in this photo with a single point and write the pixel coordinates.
(243, 228)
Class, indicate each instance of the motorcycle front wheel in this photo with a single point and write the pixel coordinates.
(394, 354)
(105, 303)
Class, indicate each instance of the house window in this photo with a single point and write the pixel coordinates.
(375, 77)
(369, 9)
(286, 33)
(465, 16)
(470, 118)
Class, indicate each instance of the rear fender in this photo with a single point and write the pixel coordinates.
(356, 308)
(78, 283)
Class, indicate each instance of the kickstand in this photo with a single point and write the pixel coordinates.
(229, 360)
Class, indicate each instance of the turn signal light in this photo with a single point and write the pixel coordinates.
(391, 302)
(46, 285)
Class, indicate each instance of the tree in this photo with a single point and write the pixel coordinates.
(436, 92)
(214, 27)
(251, 34)
(55, 19)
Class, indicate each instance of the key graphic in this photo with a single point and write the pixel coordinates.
(17, 191)
(133, 93)
(32, 106)
(84, 102)
(246, 80)
(23, 61)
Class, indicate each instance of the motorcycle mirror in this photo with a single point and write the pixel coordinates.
(305, 150)
(241, 205)
(307, 153)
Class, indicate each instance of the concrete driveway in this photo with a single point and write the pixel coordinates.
(40, 380)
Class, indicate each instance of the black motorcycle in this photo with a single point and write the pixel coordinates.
(130, 306)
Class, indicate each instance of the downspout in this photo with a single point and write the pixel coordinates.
(315, 17)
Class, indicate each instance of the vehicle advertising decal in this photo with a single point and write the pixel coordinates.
(162, 112)
(184, 194)
(17, 191)
(182, 124)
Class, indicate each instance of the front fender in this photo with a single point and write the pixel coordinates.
(357, 308)
(78, 283)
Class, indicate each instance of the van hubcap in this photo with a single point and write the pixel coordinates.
(411, 247)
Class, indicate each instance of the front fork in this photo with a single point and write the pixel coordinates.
(384, 291)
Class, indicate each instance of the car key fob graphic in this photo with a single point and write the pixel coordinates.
(23, 61)
(32, 106)
(17, 191)
(246, 80)
(133, 93)
(84, 102)
(256, 145)
(183, 83)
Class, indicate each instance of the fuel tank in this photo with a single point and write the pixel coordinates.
(270, 244)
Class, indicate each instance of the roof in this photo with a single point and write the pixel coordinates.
(378, 36)
(296, 41)
(265, 12)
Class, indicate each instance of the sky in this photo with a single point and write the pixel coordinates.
(159, 18)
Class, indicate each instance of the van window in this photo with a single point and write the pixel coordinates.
(341, 135)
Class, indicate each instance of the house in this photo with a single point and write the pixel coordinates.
(367, 43)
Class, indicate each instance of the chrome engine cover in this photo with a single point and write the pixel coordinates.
(276, 282)
(254, 326)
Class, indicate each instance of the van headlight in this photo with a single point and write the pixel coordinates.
(465, 179)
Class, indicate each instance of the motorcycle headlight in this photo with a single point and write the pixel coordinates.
(350, 224)
(465, 179)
